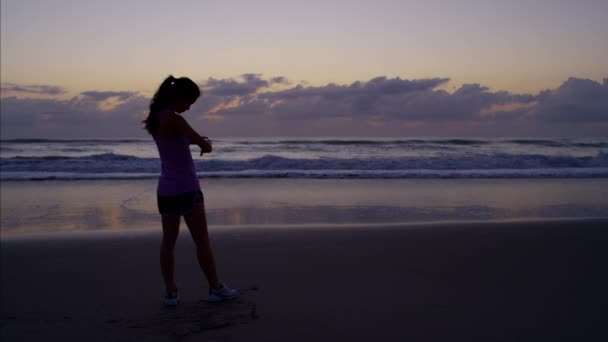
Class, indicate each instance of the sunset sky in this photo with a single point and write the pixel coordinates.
(308, 68)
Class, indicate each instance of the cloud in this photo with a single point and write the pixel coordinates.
(32, 89)
(249, 84)
(80, 116)
(279, 80)
(252, 105)
(576, 100)
(380, 98)
(373, 88)
(236, 96)
(105, 95)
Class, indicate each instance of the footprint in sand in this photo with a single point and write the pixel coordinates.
(195, 317)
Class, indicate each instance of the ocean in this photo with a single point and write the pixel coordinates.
(313, 158)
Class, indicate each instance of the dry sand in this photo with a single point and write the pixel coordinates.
(511, 281)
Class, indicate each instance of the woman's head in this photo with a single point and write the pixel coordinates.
(177, 94)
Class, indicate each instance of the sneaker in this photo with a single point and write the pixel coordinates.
(172, 298)
(222, 293)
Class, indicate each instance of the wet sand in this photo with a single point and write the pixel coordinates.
(478, 281)
(123, 205)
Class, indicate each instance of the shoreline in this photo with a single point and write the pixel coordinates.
(320, 227)
(57, 206)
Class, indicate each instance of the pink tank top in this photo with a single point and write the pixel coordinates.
(178, 174)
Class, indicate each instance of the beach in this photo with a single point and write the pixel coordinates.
(525, 281)
(326, 260)
(370, 171)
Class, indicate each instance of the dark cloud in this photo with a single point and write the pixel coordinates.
(80, 116)
(380, 97)
(576, 100)
(466, 103)
(250, 105)
(24, 112)
(32, 89)
(249, 84)
(373, 88)
(235, 96)
(104, 95)
(279, 80)
(358, 98)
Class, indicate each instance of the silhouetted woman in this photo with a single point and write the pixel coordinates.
(178, 191)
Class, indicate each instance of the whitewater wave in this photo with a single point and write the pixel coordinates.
(325, 174)
(117, 166)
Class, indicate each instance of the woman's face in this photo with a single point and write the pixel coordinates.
(181, 105)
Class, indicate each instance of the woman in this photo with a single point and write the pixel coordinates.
(178, 192)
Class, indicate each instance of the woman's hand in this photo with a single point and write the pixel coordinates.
(206, 146)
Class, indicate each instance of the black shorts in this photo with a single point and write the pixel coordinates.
(179, 204)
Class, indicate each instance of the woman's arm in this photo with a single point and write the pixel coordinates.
(180, 126)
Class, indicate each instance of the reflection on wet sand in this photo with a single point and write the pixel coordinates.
(122, 205)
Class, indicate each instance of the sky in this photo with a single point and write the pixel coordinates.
(78, 69)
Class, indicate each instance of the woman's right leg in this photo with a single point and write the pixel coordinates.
(196, 220)
(167, 247)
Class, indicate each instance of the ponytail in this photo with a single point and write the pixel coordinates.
(170, 88)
